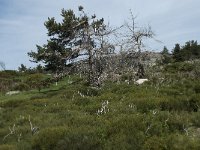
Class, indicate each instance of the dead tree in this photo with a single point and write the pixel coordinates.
(133, 41)
(93, 39)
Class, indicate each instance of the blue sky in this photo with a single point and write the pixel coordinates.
(22, 22)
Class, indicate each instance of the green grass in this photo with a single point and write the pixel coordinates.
(150, 116)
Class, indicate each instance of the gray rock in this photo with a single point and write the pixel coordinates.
(12, 92)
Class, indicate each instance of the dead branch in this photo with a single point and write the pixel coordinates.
(186, 130)
(33, 129)
(148, 128)
(12, 131)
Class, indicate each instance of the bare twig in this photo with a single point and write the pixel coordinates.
(12, 131)
(19, 137)
(166, 121)
(33, 129)
(149, 127)
(186, 130)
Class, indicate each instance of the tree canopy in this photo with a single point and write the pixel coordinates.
(75, 33)
(190, 51)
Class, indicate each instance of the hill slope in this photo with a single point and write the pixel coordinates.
(160, 114)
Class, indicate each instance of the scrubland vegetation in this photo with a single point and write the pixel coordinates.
(162, 113)
(94, 103)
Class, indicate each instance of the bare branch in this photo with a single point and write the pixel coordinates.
(12, 131)
(186, 130)
(148, 128)
(33, 129)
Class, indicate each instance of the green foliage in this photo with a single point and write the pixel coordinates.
(48, 138)
(166, 57)
(22, 68)
(75, 33)
(176, 53)
(197, 88)
(7, 147)
(180, 67)
(127, 130)
(155, 143)
(35, 81)
(12, 103)
(21, 87)
(160, 114)
(61, 138)
(190, 51)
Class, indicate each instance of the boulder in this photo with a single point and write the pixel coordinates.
(141, 81)
(12, 92)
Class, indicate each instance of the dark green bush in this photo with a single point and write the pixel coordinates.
(7, 147)
(154, 143)
(193, 103)
(179, 66)
(21, 87)
(182, 142)
(48, 138)
(39, 96)
(145, 105)
(197, 88)
(129, 131)
(12, 103)
(35, 81)
(82, 101)
(127, 76)
(62, 138)
(84, 140)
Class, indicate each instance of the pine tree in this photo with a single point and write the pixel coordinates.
(177, 53)
(166, 56)
(68, 38)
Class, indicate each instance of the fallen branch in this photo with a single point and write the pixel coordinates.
(12, 131)
(149, 127)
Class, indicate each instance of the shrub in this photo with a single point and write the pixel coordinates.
(81, 101)
(193, 103)
(154, 143)
(127, 76)
(126, 130)
(35, 81)
(12, 103)
(89, 91)
(197, 88)
(62, 138)
(21, 87)
(7, 147)
(48, 138)
(180, 142)
(84, 140)
(179, 66)
(39, 96)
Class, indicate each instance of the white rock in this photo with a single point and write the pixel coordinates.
(141, 81)
(12, 92)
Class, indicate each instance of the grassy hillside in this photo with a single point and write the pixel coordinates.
(160, 114)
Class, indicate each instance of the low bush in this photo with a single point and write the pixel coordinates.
(197, 88)
(7, 147)
(21, 87)
(178, 141)
(62, 138)
(154, 143)
(48, 138)
(12, 103)
(129, 131)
